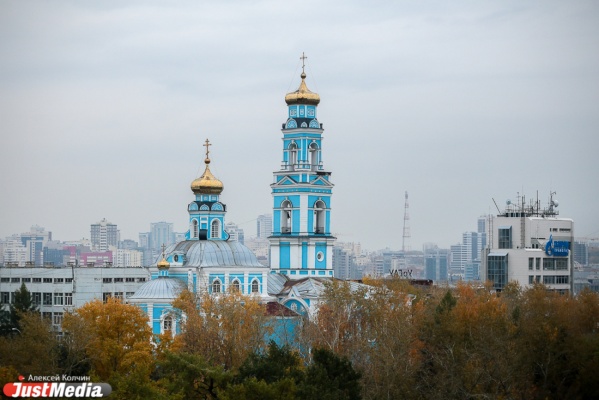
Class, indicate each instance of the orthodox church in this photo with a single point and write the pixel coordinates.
(301, 242)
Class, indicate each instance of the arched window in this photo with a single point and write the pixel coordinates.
(313, 156)
(235, 286)
(167, 324)
(216, 286)
(286, 210)
(215, 228)
(255, 286)
(292, 149)
(319, 210)
(195, 228)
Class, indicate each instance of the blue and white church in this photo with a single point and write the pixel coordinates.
(301, 242)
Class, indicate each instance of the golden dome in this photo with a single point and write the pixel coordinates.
(163, 264)
(207, 183)
(302, 95)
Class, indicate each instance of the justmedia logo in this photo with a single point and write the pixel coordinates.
(49, 386)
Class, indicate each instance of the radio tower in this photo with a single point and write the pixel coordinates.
(405, 243)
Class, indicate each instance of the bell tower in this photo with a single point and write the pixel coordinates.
(301, 244)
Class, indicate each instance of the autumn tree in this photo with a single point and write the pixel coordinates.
(114, 337)
(223, 329)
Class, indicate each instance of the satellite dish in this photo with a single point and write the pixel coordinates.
(555, 203)
(508, 202)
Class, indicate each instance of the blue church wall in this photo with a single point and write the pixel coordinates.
(325, 199)
(321, 247)
(284, 331)
(304, 255)
(284, 255)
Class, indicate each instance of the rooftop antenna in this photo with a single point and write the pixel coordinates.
(406, 227)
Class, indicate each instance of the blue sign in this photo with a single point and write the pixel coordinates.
(557, 248)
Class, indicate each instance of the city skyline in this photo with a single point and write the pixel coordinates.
(105, 108)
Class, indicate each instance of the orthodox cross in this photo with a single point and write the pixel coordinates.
(303, 58)
(207, 145)
(163, 249)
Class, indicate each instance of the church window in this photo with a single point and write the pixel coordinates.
(167, 324)
(195, 228)
(204, 207)
(215, 228)
(286, 210)
(319, 210)
(304, 125)
(216, 286)
(235, 286)
(255, 286)
(314, 124)
(294, 307)
(292, 149)
(291, 124)
(313, 156)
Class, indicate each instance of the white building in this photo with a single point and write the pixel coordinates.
(58, 290)
(529, 245)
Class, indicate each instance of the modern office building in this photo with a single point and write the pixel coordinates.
(264, 226)
(530, 245)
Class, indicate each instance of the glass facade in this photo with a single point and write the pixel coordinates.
(497, 270)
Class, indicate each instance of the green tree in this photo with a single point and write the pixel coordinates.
(330, 377)
(23, 303)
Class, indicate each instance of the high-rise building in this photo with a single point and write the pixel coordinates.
(301, 244)
(529, 245)
(436, 263)
(264, 226)
(235, 232)
(104, 234)
(161, 233)
(34, 241)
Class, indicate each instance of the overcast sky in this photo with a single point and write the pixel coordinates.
(105, 105)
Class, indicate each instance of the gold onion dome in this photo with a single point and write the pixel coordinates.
(207, 183)
(163, 264)
(302, 95)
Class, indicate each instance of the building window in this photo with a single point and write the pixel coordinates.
(68, 280)
(58, 299)
(286, 210)
(167, 324)
(194, 224)
(68, 299)
(505, 237)
(562, 279)
(57, 319)
(129, 279)
(118, 279)
(5, 297)
(538, 263)
(106, 296)
(15, 280)
(235, 286)
(47, 280)
(141, 279)
(561, 264)
(118, 295)
(36, 298)
(5, 280)
(216, 286)
(47, 299)
(58, 280)
(215, 229)
(47, 316)
(292, 149)
(129, 294)
(538, 279)
(37, 280)
(548, 264)
(106, 280)
(531, 279)
(319, 212)
(549, 280)
(497, 267)
(530, 263)
(26, 280)
(255, 286)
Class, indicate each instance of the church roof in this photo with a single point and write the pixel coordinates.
(214, 253)
(162, 288)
